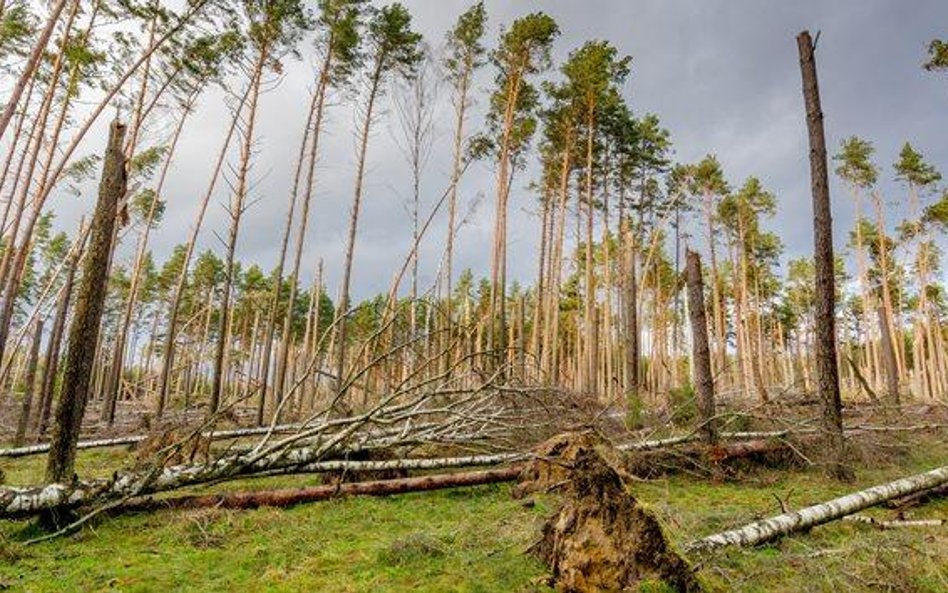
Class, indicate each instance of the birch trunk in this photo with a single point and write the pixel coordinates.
(770, 529)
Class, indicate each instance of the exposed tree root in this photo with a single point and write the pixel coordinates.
(601, 539)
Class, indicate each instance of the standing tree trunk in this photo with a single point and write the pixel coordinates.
(279, 380)
(28, 383)
(700, 350)
(633, 352)
(54, 346)
(84, 329)
(827, 369)
(462, 88)
(888, 356)
(31, 63)
(168, 347)
(236, 212)
(342, 306)
(114, 381)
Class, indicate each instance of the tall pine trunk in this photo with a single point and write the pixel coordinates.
(84, 330)
(236, 211)
(825, 290)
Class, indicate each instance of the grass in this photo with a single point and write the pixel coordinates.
(469, 540)
(457, 540)
(840, 556)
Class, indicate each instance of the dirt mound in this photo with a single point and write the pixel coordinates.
(553, 459)
(601, 540)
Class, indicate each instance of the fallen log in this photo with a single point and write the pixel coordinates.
(720, 460)
(767, 530)
(16, 502)
(896, 523)
(41, 448)
(918, 498)
(293, 496)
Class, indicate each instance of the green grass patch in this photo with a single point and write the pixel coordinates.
(470, 541)
(466, 540)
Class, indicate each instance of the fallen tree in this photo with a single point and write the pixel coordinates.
(326, 445)
(40, 448)
(292, 496)
(25, 501)
(328, 451)
(291, 455)
(767, 530)
(482, 418)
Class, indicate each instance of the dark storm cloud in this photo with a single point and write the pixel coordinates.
(722, 75)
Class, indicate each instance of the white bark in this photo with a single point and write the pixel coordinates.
(19, 502)
(767, 530)
(135, 439)
(410, 464)
(895, 524)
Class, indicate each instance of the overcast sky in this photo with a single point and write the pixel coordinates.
(721, 74)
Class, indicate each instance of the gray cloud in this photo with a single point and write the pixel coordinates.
(722, 75)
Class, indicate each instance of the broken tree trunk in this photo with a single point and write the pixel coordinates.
(701, 352)
(84, 330)
(770, 529)
(293, 496)
(827, 370)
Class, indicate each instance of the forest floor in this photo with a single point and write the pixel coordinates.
(473, 539)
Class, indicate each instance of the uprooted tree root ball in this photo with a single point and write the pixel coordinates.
(601, 539)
